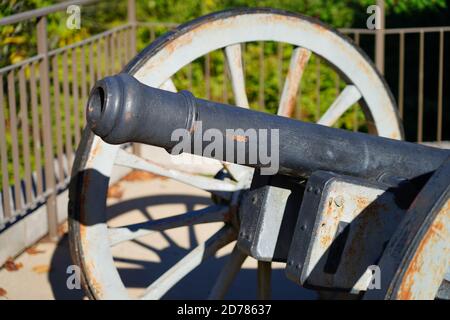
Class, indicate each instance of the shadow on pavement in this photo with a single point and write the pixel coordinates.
(195, 285)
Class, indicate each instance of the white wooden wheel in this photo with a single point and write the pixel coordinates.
(91, 238)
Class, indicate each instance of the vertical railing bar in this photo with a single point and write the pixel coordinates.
(42, 47)
(207, 77)
(37, 146)
(68, 131)
(440, 85)
(355, 118)
(112, 53)
(337, 85)
(152, 33)
(401, 75)
(380, 38)
(123, 50)
(4, 157)
(131, 15)
(122, 54)
(355, 108)
(261, 97)
(106, 57)
(190, 86)
(280, 66)
(83, 84)
(357, 38)
(128, 45)
(317, 87)
(225, 81)
(75, 95)
(117, 64)
(98, 53)
(25, 135)
(91, 65)
(421, 76)
(14, 139)
(57, 108)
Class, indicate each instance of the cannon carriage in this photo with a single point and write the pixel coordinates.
(340, 206)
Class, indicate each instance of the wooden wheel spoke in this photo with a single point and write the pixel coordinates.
(215, 186)
(299, 60)
(349, 96)
(227, 274)
(168, 85)
(239, 173)
(214, 213)
(236, 171)
(192, 260)
(234, 60)
(233, 55)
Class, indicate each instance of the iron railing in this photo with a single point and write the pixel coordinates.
(42, 98)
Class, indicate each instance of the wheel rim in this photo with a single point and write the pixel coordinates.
(155, 65)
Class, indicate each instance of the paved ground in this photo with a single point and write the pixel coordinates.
(42, 274)
(41, 270)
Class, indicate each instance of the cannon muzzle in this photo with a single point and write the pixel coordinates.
(121, 109)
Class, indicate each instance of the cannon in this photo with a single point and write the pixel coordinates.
(360, 213)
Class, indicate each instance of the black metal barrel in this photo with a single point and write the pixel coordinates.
(121, 109)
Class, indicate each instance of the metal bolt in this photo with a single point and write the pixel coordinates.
(254, 199)
(317, 191)
(309, 189)
(339, 201)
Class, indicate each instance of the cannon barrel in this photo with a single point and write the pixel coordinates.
(121, 109)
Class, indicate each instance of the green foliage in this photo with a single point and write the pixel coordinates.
(18, 41)
(319, 87)
(408, 6)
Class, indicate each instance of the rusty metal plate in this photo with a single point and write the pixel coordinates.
(342, 229)
(415, 263)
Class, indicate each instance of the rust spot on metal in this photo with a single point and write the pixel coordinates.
(115, 191)
(194, 127)
(238, 137)
(329, 229)
(95, 152)
(361, 203)
(395, 135)
(94, 284)
(421, 265)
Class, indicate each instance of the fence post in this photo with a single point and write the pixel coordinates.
(131, 10)
(50, 190)
(132, 21)
(379, 39)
